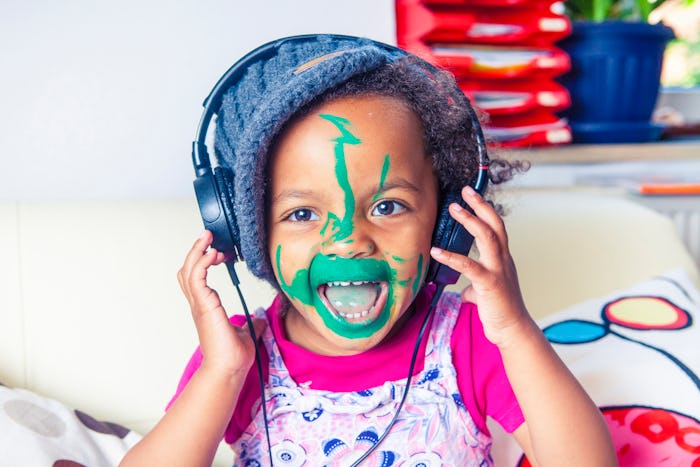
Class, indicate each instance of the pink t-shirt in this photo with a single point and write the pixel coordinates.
(481, 378)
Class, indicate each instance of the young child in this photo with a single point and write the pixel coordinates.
(342, 151)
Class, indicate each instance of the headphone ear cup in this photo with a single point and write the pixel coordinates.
(228, 241)
(449, 235)
(441, 236)
(444, 223)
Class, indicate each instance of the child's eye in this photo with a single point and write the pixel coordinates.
(302, 215)
(387, 208)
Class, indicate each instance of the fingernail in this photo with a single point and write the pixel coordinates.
(456, 207)
(468, 191)
(435, 251)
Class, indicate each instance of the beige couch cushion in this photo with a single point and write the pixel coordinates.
(572, 246)
(100, 322)
(11, 321)
(92, 314)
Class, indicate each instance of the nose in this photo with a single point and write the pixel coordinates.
(356, 242)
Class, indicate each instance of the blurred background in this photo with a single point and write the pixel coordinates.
(101, 100)
(682, 61)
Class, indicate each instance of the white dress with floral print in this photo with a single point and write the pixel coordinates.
(311, 427)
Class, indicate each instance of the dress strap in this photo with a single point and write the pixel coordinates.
(438, 351)
(277, 368)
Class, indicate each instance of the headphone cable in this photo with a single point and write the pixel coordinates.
(258, 361)
(433, 302)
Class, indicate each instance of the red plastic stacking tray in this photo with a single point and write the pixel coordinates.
(497, 97)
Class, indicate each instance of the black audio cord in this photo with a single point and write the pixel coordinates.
(433, 303)
(419, 338)
(258, 361)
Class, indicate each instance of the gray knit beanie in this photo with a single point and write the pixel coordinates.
(256, 107)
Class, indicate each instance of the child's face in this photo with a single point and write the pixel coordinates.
(353, 201)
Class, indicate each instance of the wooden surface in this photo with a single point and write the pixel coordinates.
(601, 153)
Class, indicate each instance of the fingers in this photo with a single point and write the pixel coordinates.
(226, 348)
(198, 248)
(490, 238)
(489, 234)
(485, 223)
(192, 276)
(457, 261)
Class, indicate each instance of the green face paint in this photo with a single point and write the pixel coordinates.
(382, 177)
(299, 288)
(419, 276)
(323, 269)
(417, 280)
(307, 282)
(342, 228)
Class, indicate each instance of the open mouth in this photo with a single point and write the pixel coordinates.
(354, 302)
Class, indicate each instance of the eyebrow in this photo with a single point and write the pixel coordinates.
(292, 194)
(388, 185)
(396, 183)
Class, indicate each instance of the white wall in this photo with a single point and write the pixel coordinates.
(100, 99)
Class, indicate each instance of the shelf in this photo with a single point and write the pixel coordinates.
(621, 170)
(613, 166)
(605, 153)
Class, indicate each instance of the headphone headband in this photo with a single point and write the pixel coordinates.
(212, 103)
(258, 94)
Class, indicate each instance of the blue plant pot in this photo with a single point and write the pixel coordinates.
(614, 80)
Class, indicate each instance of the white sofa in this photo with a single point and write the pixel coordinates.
(92, 315)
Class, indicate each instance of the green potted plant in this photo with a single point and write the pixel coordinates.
(601, 10)
(616, 57)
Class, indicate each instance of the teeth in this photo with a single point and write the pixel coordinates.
(344, 315)
(346, 283)
(355, 315)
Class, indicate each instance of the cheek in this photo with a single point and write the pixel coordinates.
(406, 255)
(409, 263)
(287, 262)
(290, 263)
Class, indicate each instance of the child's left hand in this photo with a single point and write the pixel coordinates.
(494, 282)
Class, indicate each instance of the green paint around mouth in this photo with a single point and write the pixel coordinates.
(325, 269)
(298, 288)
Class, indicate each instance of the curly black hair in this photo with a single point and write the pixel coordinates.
(444, 111)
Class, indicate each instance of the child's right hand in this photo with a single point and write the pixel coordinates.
(206, 403)
(226, 349)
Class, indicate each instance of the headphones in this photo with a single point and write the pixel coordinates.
(214, 185)
(215, 195)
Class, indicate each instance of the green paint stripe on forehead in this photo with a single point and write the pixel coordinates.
(342, 228)
(382, 177)
(341, 123)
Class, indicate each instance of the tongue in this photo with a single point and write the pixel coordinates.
(352, 299)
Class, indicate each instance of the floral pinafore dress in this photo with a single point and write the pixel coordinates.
(312, 427)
